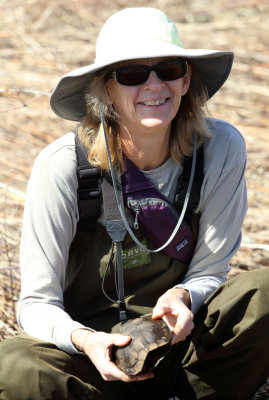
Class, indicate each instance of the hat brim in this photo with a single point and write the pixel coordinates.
(68, 102)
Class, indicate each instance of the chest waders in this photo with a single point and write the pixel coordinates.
(118, 227)
(147, 271)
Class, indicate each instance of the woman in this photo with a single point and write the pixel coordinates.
(149, 91)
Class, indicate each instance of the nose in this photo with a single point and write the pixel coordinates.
(153, 82)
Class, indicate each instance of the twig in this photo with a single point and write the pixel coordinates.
(17, 93)
(24, 91)
(12, 190)
(9, 251)
(256, 246)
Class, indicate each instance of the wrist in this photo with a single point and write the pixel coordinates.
(79, 338)
(184, 295)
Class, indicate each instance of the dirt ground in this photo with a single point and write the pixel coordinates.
(42, 39)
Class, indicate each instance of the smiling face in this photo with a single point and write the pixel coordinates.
(148, 107)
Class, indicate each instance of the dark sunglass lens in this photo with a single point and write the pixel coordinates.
(171, 70)
(132, 75)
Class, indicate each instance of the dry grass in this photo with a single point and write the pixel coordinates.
(42, 39)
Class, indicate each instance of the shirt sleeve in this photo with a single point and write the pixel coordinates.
(223, 206)
(49, 226)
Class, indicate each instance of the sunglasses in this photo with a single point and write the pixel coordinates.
(136, 74)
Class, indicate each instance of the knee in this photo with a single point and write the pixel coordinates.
(27, 368)
(261, 283)
(10, 377)
(17, 376)
(248, 296)
(258, 280)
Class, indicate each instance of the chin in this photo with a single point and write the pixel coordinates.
(153, 123)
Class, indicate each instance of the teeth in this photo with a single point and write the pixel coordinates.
(154, 103)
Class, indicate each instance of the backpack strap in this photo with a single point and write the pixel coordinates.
(89, 192)
(117, 231)
(196, 185)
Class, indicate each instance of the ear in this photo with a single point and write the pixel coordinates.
(186, 81)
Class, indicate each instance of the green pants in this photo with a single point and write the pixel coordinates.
(226, 357)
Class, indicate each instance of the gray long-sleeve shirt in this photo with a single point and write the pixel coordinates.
(51, 216)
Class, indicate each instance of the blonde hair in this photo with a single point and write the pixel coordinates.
(189, 119)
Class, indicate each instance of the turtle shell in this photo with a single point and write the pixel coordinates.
(151, 340)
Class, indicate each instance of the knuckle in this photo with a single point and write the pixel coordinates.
(127, 379)
(106, 377)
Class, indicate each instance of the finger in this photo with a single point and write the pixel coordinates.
(119, 340)
(113, 373)
(171, 321)
(181, 333)
(143, 377)
(139, 377)
(180, 338)
(156, 312)
(183, 326)
(160, 310)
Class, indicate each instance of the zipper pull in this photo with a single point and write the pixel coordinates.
(134, 205)
(137, 209)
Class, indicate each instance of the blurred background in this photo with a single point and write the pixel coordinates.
(42, 39)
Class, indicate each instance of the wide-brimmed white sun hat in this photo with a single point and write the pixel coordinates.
(130, 34)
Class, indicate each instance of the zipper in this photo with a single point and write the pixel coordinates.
(136, 207)
(136, 204)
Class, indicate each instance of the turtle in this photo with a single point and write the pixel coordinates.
(151, 340)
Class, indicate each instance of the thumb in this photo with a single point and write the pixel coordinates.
(158, 312)
(120, 340)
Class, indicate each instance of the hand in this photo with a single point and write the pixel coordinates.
(173, 307)
(97, 346)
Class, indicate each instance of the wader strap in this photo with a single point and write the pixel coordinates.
(89, 194)
(121, 303)
(116, 230)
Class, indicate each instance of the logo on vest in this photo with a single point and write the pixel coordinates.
(135, 256)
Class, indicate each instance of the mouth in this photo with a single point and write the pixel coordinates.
(158, 102)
